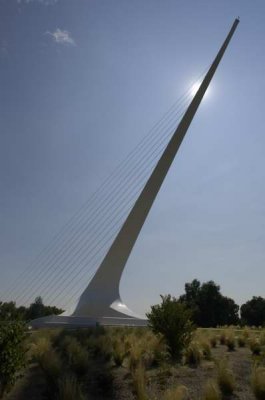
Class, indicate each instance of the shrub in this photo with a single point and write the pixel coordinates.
(193, 355)
(258, 382)
(12, 353)
(225, 378)
(173, 320)
(69, 389)
(211, 391)
(178, 393)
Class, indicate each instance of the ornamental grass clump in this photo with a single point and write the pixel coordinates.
(213, 341)
(77, 356)
(69, 389)
(258, 382)
(223, 338)
(255, 346)
(139, 381)
(206, 350)
(211, 391)
(241, 341)
(118, 352)
(225, 378)
(177, 393)
(230, 342)
(193, 355)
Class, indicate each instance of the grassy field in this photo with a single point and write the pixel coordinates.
(133, 363)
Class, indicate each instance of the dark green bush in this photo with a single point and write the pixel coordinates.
(12, 353)
(172, 319)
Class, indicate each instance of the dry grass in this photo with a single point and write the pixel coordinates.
(178, 393)
(225, 378)
(211, 391)
(69, 389)
(139, 381)
(193, 355)
(258, 382)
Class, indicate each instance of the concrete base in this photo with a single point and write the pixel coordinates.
(117, 314)
(73, 322)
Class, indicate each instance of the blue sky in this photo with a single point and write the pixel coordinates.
(82, 82)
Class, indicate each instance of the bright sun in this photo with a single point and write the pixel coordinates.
(195, 88)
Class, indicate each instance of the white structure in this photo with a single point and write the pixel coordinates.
(101, 302)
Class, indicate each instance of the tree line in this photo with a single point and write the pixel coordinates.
(10, 312)
(207, 304)
(211, 309)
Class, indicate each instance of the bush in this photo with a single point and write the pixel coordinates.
(211, 391)
(258, 382)
(173, 320)
(12, 353)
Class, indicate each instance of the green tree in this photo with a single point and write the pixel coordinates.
(253, 312)
(209, 307)
(172, 320)
(12, 353)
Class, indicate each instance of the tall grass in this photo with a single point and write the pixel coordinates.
(225, 378)
(258, 382)
(211, 391)
(139, 381)
(178, 393)
(193, 355)
(69, 389)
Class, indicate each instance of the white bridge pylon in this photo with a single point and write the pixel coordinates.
(100, 303)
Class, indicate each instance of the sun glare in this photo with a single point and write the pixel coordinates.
(195, 88)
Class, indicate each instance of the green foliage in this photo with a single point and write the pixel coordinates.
(12, 353)
(172, 319)
(253, 312)
(9, 311)
(209, 307)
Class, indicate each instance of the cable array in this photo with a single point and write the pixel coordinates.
(63, 269)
